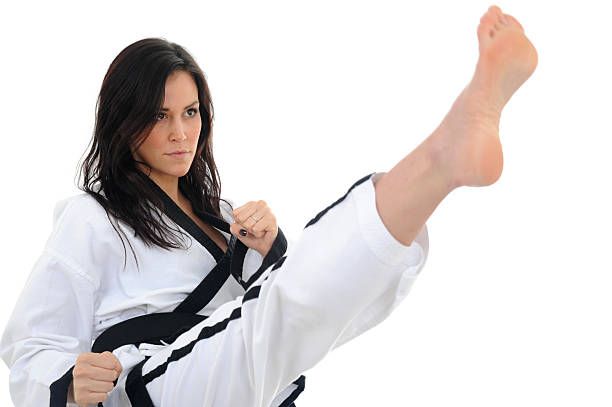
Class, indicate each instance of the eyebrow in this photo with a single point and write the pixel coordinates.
(192, 103)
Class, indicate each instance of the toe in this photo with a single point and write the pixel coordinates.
(512, 20)
(495, 10)
(486, 22)
(491, 16)
(490, 22)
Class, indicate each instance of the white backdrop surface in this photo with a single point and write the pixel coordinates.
(514, 305)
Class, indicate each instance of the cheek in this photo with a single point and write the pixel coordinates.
(194, 131)
(152, 144)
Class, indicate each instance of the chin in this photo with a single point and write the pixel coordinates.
(181, 173)
(176, 169)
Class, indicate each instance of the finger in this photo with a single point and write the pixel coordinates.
(243, 214)
(255, 218)
(117, 366)
(255, 209)
(107, 375)
(238, 212)
(259, 214)
(86, 372)
(247, 223)
(267, 224)
(235, 229)
(98, 386)
(107, 360)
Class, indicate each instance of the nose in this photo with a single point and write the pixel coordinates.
(176, 131)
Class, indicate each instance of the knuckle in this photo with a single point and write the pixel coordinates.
(83, 357)
(78, 371)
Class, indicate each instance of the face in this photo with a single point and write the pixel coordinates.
(176, 128)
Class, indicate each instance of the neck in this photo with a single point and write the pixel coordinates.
(169, 184)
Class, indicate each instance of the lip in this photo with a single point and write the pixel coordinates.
(178, 152)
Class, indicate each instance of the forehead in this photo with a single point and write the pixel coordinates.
(180, 90)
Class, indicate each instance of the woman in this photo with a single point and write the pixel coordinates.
(230, 319)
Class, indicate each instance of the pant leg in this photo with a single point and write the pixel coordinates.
(343, 275)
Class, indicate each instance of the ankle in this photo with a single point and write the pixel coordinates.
(440, 155)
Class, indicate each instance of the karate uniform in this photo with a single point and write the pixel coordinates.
(270, 320)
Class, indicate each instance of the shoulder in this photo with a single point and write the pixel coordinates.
(82, 232)
(79, 213)
(82, 205)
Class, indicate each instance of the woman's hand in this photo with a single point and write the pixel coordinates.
(93, 376)
(260, 224)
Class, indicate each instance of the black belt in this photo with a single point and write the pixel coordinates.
(167, 326)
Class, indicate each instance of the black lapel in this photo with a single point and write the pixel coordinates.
(174, 212)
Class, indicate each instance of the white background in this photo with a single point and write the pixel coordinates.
(513, 307)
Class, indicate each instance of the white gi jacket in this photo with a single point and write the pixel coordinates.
(78, 288)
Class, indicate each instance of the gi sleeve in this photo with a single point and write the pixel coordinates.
(50, 326)
(52, 322)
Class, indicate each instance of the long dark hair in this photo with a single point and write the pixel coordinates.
(132, 93)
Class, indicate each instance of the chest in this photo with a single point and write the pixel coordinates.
(210, 231)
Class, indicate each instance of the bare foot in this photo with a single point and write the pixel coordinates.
(466, 143)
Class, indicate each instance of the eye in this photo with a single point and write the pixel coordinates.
(160, 115)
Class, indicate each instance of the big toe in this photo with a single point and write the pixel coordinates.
(494, 21)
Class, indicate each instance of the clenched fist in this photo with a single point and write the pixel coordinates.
(259, 222)
(93, 376)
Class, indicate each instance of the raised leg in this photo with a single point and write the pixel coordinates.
(349, 269)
